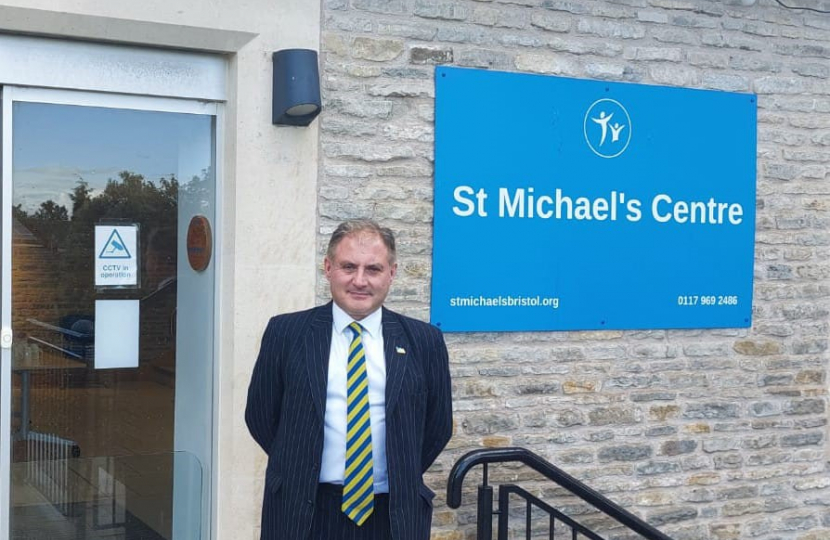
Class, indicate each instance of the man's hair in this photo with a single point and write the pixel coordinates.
(355, 226)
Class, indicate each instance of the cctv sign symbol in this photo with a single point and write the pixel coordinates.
(116, 247)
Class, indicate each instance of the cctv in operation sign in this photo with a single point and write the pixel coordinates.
(566, 204)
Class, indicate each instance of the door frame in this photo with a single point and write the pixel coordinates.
(9, 94)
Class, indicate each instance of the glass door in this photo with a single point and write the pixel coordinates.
(108, 300)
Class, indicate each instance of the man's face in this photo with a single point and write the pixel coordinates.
(360, 274)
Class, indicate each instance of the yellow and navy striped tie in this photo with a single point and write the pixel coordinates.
(358, 489)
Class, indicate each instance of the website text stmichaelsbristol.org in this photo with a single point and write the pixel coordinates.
(505, 301)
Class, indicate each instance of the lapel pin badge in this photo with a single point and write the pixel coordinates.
(400, 350)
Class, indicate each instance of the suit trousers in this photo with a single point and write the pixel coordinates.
(330, 523)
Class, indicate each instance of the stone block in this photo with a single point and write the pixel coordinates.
(575, 458)
(810, 377)
(804, 406)
(740, 508)
(568, 418)
(551, 22)
(405, 89)
(721, 445)
(802, 439)
(649, 54)
(577, 8)
(661, 431)
(649, 16)
(580, 386)
(654, 499)
(604, 70)
(625, 453)
(757, 347)
(698, 495)
(495, 441)
(545, 63)
(599, 436)
(775, 379)
(500, 17)
(484, 58)
(407, 73)
(704, 479)
(675, 515)
(810, 346)
(812, 484)
(725, 531)
(764, 408)
(728, 461)
(653, 396)
(489, 423)
(757, 443)
(675, 35)
(610, 29)
(463, 34)
(432, 9)
(712, 411)
(430, 55)
(380, 6)
(422, 32)
(378, 50)
(687, 21)
(801, 50)
(676, 448)
(664, 412)
(613, 416)
(658, 467)
(697, 428)
(777, 504)
(742, 492)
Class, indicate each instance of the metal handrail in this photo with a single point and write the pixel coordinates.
(510, 489)
(59, 329)
(551, 472)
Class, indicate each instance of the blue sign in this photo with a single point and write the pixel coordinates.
(565, 204)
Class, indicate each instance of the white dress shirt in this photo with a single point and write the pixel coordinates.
(334, 437)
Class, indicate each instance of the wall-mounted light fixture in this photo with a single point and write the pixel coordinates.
(296, 87)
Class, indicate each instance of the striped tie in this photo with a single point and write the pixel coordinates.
(358, 490)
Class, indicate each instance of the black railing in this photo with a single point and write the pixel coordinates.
(551, 472)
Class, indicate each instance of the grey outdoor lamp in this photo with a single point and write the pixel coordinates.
(296, 90)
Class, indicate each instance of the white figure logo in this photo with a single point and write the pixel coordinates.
(603, 122)
(615, 132)
(601, 113)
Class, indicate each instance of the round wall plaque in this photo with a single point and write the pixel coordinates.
(199, 243)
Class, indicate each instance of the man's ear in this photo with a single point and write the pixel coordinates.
(327, 268)
(394, 271)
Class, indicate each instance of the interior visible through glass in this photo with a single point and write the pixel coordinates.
(103, 453)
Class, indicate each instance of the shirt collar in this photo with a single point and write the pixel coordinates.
(371, 323)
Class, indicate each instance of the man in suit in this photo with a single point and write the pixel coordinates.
(352, 403)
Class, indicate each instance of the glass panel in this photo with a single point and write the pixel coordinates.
(105, 497)
(92, 448)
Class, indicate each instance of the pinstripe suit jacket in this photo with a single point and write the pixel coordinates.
(286, 407)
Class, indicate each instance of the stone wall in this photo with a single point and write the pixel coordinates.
(717, 434)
